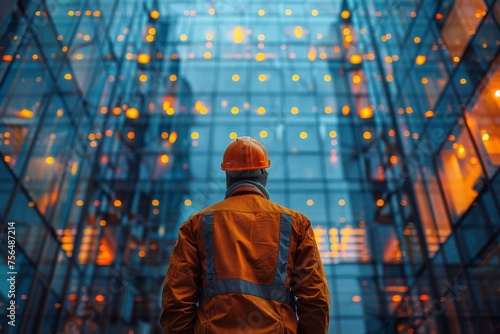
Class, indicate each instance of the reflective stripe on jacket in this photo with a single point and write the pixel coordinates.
(234, 269)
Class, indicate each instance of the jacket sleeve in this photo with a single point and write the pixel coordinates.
(309, 285)
(181, 285)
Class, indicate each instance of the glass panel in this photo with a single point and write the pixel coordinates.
(460, 171)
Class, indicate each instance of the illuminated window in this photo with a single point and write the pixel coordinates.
(483, 121)
(460, 171)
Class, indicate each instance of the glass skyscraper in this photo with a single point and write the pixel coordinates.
(381, 119)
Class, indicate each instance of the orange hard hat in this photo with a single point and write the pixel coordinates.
(243, 154)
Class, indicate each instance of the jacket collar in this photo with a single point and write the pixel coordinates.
(247, 186)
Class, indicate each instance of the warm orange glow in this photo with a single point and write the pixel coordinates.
(380, 202)
(188, 202)
(420, 60)
(117, 203)
(130, 135)
(429, 114)
(173, 137)
(393, 159)
(356, 299)
(7, 57)
(355, 59)
(238, 35)
(298, 31)
(341, 202)
(132, 113)
(25, 113)
(99, 298)
(345, 14)
(424, 297)
(143, 58)
(397, 298)
(164, 158)
(366, 112)
(367, 135)
(116, 111)
(260, 56)
(154, 14)
(346, 110)
(155, 202)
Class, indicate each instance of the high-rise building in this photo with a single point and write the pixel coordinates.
(381, 119)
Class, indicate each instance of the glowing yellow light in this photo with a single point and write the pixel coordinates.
(260, 56)
(303, 135)
(235, 110)
(328, 110)
(327, 77)
(261, 110)
(132, 113)
(261, 12)
(152, 31)
(68, 76)
(164, 158)
(294, 110)
(298, 31)
(456, 59)
(150, 38)
(420, 60)
(429, 114)
(71, 13)
(49, 160)
(97, 13)
(355, 59)
(463, 81)
(173, 77)
(188, 202)
(238, 35)
(333, 134)
(233, 135)
(311, 53)
(366, 112)
(235, 77)
(346, 110)
(346, 31)
(209, 36)
(211, 11)
(143, 78)
(314, 12)
(25, 113)
(130, 135)
(262, 77)
(143, 58)
(367, 135)
(195, 135)
(263, 134)
(173, 137)
(154, 14)
(207, 55)
(170, 111)
(345, 14)
(309, 202)
(341, 202)
(424, 81)
(485, 136)
(388, 59)
(295, 77)
(183, 37)
(497, 93)
(261, 37)
(416, 40)
(288, 12)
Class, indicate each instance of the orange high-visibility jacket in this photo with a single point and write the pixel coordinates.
(245, 265)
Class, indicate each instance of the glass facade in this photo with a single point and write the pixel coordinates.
(381, 119)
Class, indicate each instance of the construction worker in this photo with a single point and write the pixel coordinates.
(245, 265)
